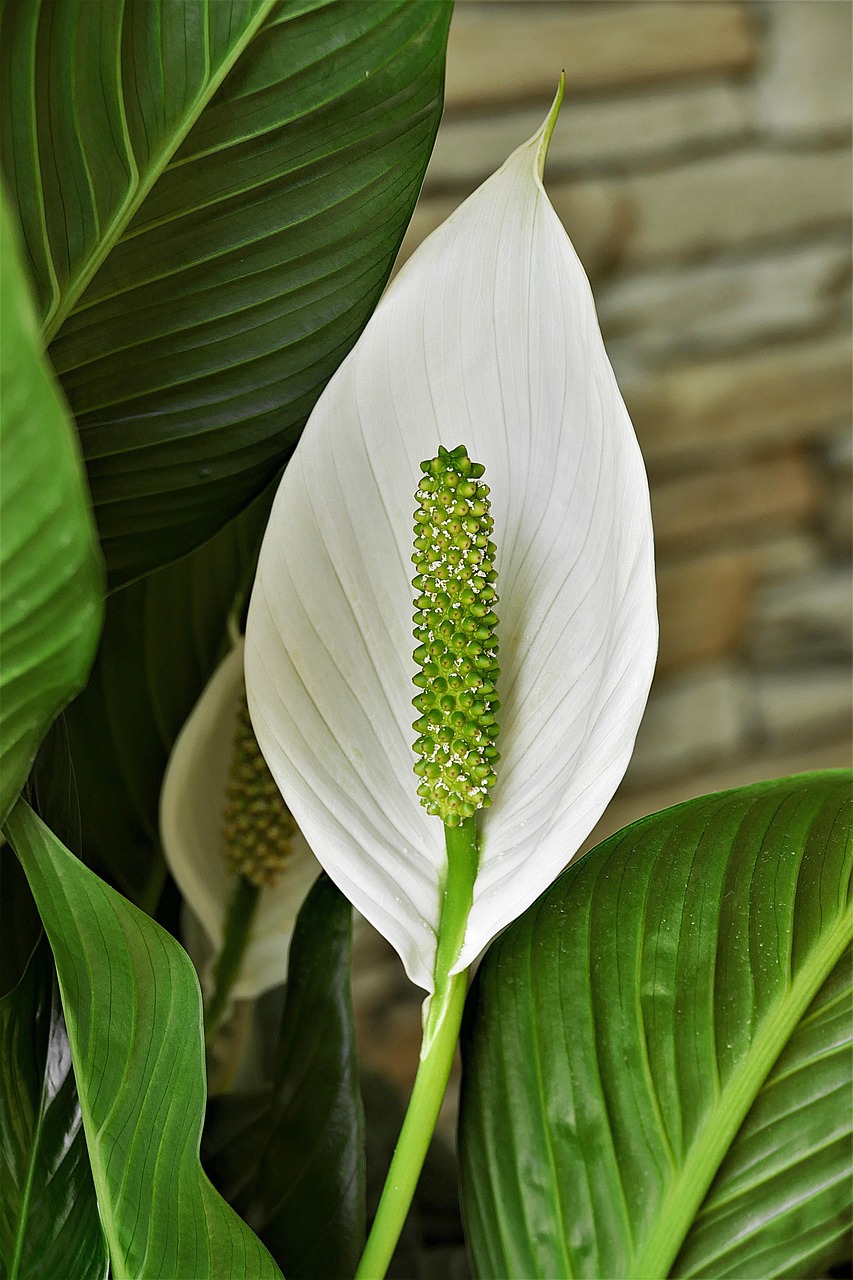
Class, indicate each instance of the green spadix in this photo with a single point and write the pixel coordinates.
(457, 646)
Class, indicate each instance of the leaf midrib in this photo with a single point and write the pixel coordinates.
(678, 1209)
(138, 193)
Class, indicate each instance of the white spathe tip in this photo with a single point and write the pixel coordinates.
(487, 337)
(192, 805)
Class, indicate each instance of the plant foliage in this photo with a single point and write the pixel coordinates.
(211, 197)
(658, 1054)
(133, 1013)
(50, 569)
(291, 1158)
(48, 1216)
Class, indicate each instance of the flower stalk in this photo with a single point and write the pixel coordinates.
(226, 969)
(455, 624)
(489, 329)
(441, 1033)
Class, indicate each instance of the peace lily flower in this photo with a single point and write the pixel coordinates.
(228, 837)
(488, 336)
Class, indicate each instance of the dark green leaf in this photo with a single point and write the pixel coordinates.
(133, 1013)
(291, 1160)
(20, 926)
(50, 788)
(212, 195)
(49, 1223)
(657, 1065)
(163, 637)
(50, 570)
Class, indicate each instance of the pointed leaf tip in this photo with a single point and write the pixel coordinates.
(488, 334)
(548, 125)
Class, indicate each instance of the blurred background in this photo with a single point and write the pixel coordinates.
(701, 166)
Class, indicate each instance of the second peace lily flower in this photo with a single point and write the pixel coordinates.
(488, 336)
(225, 834)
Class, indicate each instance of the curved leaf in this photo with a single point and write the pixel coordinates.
(50, 569)
(212, 194)
(655, 1054)
(133, 1012)
(291, 1159)
(48, 1216)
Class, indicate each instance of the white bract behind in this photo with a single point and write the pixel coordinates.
(192, 818)
(488, 337)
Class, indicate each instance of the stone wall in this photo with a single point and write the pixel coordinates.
(701, 165)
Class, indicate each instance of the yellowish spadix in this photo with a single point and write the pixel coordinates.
(258, 828)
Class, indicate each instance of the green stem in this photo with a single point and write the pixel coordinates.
(441, 1033)
(238, 927)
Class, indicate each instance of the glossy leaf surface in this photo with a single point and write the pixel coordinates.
(291, 1160)
(658, 1053)
(133, 1012)
(780, 1203)
(50, 568)
(212, 195)
(49, 1222)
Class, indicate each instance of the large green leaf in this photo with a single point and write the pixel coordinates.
(48, 1216)
(133, 1013)
(50, 570)
(163, 637)
(657, 1064)
(212, 194)
(291, 1158)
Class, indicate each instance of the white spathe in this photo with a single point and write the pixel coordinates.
(488, 337)
(192, 804)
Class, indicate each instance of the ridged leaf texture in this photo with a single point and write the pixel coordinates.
(50, 568)
(211, 195)
(49, 1222)
(657, 1055)
(133, 1014)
